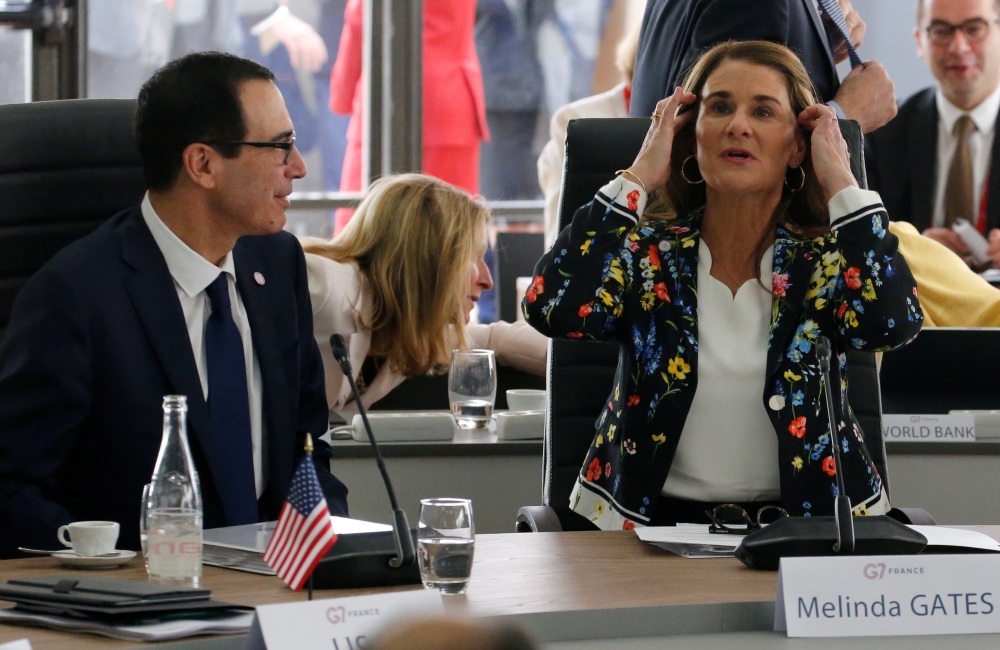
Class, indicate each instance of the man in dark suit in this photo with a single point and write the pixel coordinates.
(939, 160)
(195, 292)
(676, 32)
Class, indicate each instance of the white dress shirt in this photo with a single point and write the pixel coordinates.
(980, 148)
(192, 274)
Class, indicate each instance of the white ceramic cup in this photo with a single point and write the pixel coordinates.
(90, 538)
(526, 399)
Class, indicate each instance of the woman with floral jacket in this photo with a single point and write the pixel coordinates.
(756, 241)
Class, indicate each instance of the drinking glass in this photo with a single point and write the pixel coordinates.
(144, 524)
(472, 387)
(445, 544)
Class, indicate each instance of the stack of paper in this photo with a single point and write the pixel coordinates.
(694, 540)
(690, 540)
(941, 539)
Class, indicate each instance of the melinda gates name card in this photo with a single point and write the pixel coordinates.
(888, 595)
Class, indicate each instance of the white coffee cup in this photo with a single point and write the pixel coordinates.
(526, 399)
(90, 538)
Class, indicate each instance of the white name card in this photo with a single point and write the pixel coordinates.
(337, 623)
(888, 595)
(20, 644)
(955, 427)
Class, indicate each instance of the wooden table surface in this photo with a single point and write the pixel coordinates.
(512, 574)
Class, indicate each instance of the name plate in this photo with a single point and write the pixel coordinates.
(337, 623)
(888, 595)
(20, 644)
(955, 427)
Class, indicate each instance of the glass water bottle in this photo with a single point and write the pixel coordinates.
(173, 507)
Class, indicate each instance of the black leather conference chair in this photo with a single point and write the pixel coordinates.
(65, 167)
(581, 373)
(516, 254)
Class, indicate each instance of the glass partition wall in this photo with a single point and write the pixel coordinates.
(463, 89)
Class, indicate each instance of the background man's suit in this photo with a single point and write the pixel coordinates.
(900, 161)
(676, 32)
(97, 338)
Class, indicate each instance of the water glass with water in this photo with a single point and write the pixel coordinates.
(445, 544)
(472, 387)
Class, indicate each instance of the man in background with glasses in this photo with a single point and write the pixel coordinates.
(195, 292)
(936, 163)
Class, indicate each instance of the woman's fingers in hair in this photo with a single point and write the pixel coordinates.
(822, 121)
(811, 116)
(652, 165)
(670, 105)
(830, 156)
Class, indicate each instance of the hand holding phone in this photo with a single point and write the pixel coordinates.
(977, 244)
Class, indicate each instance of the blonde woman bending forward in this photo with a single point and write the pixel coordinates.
(399, 285)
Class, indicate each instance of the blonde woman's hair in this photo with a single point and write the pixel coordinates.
(413, 238)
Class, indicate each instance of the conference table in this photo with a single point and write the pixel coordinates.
(571, 590)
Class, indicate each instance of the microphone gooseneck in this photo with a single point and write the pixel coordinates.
(405, 555)
(824, 535)
(842, 504)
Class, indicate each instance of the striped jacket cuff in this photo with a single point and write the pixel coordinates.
(623, 197)
(851, 204)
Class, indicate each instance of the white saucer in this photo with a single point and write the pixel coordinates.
(71, 559)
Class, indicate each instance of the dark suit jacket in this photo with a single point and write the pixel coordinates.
(97, 338)
(676, 32)
(900, 160)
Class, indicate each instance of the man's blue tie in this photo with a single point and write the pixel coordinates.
(229, 409)
(838, 25)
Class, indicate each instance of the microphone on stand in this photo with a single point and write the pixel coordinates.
(842, 503)
(404, 543)
(365, 559)
(840, 534)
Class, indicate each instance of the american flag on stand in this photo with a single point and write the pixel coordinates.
(304, 532)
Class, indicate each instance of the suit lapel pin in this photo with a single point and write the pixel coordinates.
(258, 277)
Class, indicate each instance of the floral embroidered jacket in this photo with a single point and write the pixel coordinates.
(606, 279)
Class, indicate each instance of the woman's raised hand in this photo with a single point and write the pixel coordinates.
(652, 165)
(830, 158)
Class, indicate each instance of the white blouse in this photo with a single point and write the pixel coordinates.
(728, 450)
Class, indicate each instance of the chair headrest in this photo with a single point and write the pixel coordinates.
(68, 134)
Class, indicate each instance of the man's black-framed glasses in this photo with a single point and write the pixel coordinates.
(285, 145)
(731, 519)
(975, 29)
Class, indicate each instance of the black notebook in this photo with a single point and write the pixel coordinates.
(71, 595)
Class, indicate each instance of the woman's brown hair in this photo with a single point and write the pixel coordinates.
(413, 238)
(805, 210)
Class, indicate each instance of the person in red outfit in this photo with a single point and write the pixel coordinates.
(454, 108)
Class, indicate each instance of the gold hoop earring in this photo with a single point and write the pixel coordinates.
(684, 176)
(801, 184)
